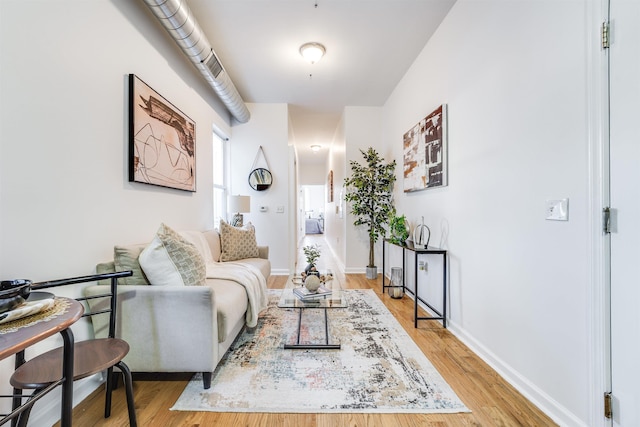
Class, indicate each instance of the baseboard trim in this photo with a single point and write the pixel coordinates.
(361, 270)
(280, 272)
(535, 395)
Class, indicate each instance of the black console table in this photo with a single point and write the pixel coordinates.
(408, 246)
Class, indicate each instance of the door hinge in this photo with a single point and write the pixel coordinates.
(607, 405)
(605, 35)
(606, 220)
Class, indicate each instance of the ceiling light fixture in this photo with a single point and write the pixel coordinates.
(315, 148)
(312, 51)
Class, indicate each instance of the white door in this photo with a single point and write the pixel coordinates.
(624, 57)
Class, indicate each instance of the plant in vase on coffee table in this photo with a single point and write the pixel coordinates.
(312, 253)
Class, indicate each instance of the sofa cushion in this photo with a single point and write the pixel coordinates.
(231, 304)
(260, 263)
(125, 258)
(170, 260)
(237, 243)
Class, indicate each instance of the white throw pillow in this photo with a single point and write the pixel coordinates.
(170, 260)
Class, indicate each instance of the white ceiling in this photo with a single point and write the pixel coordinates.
(370, 45)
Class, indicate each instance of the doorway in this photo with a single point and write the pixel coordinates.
(313, 208)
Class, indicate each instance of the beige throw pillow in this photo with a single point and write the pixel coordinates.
(170, 260)
(237, 243)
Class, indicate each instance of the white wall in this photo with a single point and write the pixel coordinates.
(65, 199)
(514, 77)
(334, 221)
(362, 129)
(313, 174)
(269, 128)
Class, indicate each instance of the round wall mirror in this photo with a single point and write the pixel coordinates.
(260, 179)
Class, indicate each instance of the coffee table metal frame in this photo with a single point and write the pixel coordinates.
(337, 299)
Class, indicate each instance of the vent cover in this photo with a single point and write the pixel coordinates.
(214, 65)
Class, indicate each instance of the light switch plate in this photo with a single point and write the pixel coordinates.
(280, 209)
(558, 210)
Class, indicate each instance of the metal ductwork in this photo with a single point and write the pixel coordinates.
(177, 19)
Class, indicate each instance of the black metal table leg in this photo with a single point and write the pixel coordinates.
(325, 346)
(415, 284)
(67, 375)
(444, 290)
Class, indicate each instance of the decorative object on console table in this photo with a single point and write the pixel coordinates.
(162, 142)
(239, 205)
(425, 152)
(421, 236)
(370, 191)
(396, 290)
(398, 229)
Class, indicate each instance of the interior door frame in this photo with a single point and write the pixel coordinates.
(599, 320)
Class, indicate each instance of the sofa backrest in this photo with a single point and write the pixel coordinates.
(213, 239)
(206, 246)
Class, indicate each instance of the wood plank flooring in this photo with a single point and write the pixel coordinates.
(492, 400)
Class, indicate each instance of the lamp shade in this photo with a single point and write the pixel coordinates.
(239, 204)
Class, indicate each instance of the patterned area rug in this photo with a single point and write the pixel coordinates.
(379, 368)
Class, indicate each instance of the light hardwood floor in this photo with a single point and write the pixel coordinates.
(492, 401)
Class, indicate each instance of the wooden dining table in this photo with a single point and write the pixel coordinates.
(17, 335)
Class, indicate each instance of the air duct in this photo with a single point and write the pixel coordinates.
(177, 19)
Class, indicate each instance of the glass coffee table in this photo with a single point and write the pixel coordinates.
(337, 299)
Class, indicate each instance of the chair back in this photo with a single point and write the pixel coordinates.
(112, 294)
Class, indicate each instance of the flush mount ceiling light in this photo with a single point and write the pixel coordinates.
(315, 148)
(312, 51)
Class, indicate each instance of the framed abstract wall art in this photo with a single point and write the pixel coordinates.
(162, 144)
(425, 152)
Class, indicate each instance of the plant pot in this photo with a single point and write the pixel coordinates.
(311, 269)
(372, 272)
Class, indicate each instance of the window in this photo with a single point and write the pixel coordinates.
(220, 172)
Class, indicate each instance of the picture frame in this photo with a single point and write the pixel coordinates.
(425, 148)
(162, 140)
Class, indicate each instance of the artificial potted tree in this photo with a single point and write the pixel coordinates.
(370, 191)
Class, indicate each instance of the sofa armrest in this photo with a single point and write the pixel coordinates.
(168, 328)
(263, 252)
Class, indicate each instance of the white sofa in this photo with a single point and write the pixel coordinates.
(179, 328)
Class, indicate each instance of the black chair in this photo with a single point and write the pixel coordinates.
(90, 356)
